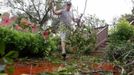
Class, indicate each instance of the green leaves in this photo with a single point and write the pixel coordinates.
(6, 58)
(27, 44)
(122, 32)
(2, 48)
(12, 54)
(83, 39)
(121, 42)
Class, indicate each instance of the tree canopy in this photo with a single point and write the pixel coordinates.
(38, 11)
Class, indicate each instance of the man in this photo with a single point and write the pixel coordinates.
(66, 19)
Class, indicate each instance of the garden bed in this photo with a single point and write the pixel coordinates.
(33, 68)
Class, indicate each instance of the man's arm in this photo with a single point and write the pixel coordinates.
(57, 12)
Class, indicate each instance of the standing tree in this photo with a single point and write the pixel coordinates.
(94, 21)
(130, 17)
(37, 11)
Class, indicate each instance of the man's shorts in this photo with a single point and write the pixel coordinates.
(64, 31)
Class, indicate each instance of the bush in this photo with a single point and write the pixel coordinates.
(122, 32)
(121, 43)
(26, 43)
(83, 39)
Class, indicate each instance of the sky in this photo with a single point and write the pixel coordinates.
(103, 9)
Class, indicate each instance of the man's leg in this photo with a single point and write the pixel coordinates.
(63, 47)
(63, 35)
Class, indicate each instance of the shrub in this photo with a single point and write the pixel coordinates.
(52, 44)
(26, 43)
(121, 44)
(122, 32)
(6, 58)
(82, 39)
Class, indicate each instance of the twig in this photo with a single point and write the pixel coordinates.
(36, 9)
(131, 63)
(78, 23)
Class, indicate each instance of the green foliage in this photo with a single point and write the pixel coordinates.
(27, 44)
(6, 58)
(121, 43)
(83, 39)
(129, 18)
(68, 70)
(52, 44)
(2, 48)
(122, 52)
(122, 32)
(120, 40)
(93, 21)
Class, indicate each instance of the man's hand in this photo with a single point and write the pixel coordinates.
(76, 20)
(53, 5)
